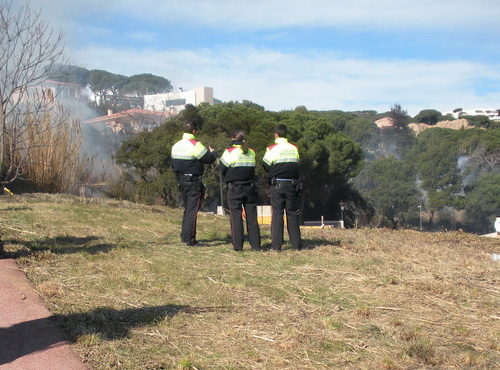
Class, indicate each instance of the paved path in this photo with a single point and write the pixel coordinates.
(28, 339)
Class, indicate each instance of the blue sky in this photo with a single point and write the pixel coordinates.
(322, 54)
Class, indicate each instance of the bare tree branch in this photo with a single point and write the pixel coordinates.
(30, 52)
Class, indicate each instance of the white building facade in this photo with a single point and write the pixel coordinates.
(174, 102)
(492, 114)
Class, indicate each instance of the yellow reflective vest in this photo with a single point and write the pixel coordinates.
(282, 160)
(189, 155)
(237, 166)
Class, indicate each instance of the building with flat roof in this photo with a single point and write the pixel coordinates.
(174, 102)
(492, 114)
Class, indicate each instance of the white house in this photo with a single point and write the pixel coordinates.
(492, 114)
(174, 102)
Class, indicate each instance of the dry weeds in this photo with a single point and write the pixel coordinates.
(131, 296)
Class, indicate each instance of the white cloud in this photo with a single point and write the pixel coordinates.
(469, 15)
(364, 14)
(318, 79)
(324, 81)
(143, 36)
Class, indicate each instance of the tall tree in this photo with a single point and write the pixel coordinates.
(458, 111)
(483, 201)
(30, 52)
(482, 150)
(399, 116)
(435, 156)
(72, 74)
(398, 139)
(365, 133)
(146, 83)
(479, 120)
(101, 83)
(428, 116)
(328, 158)
(116, 84)
(390, 184)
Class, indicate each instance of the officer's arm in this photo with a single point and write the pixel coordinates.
(225, 162)
(223, 168)
(267, 161)
(209, 157)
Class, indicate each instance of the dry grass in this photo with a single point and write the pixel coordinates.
(131, 296)
(48, 148)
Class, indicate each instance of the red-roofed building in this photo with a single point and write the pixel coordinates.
(130, 121)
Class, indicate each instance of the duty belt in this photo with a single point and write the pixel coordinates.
(275, 180)
(189, 177)
(240, 184)
(249, 182)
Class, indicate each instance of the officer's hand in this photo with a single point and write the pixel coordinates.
(211, 149)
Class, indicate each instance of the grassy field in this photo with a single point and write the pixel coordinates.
(131, 296)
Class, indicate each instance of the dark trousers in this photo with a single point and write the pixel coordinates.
(285, 196)
(192, 194)
(239, 196)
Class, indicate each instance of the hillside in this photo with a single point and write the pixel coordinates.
(417, 128)
(131, 296)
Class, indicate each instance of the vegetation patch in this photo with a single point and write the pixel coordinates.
(130, 295)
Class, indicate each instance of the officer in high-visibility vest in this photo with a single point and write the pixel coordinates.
(237, 165)
(281, 161)
(188, 157)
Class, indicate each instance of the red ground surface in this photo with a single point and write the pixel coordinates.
(28, 338)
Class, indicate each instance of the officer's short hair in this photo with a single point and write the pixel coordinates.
(281, 130)
(189, 126)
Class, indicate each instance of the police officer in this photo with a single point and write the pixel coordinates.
(188, 157)
(281, 161)
(237, 165)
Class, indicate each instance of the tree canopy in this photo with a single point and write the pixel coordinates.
(428, 116)
(113, 90)
(391, 186)
(345, 158)
(328, 158)
(483, 200)
(145, 84)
